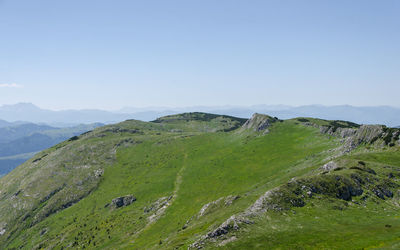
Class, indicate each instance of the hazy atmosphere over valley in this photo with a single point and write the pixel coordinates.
(199, 124)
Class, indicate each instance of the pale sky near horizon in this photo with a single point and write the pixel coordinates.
(112, 54)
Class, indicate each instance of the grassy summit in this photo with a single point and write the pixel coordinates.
(202, 180)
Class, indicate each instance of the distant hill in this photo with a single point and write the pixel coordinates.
(14, 132)
(31, 113)
(7, 124)
(4, 123)
(32, 143)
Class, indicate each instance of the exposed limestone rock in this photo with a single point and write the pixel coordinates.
(122, 201)
(230, 224)
(369, 133)
(329, 166)
(206, 207)
(224, 242)
(354, 136)
(263, 204)
(209, 207)
(230, 199)
(158, 208)
(158, 204)
(233, 223)
(259, 123)
(98, 173)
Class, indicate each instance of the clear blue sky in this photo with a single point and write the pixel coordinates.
(110, 54)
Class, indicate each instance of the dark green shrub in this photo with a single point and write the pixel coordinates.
(74, 138)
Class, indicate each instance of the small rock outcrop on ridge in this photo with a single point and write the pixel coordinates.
(259, 123)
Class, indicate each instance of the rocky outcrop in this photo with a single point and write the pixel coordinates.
(295, 193)
(353, 135)
(211, 206)
(207, 207)
(264, 203)
(229, 225)
(158, 208)
(329, 166)
(122, 201)
(382, 192)
(259, 123)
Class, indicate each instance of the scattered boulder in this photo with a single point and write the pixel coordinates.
(98, 173)
(329, 166)
(122, 201)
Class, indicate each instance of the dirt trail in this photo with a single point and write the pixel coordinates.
(157, 214)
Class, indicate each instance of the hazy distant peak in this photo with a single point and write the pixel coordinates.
(22, 106)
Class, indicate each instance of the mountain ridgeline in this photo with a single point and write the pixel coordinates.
(198, 180)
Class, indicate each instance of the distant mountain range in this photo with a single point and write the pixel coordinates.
(31, 113)
(28, 112)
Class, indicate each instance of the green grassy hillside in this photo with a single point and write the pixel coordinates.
(206, 181)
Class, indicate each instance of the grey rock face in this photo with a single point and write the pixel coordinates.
(259, 123)
(122, 201)
(207, 208)
(353, 137)
(162, 202)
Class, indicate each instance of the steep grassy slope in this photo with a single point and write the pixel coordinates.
(201, 180)
(362, 221)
